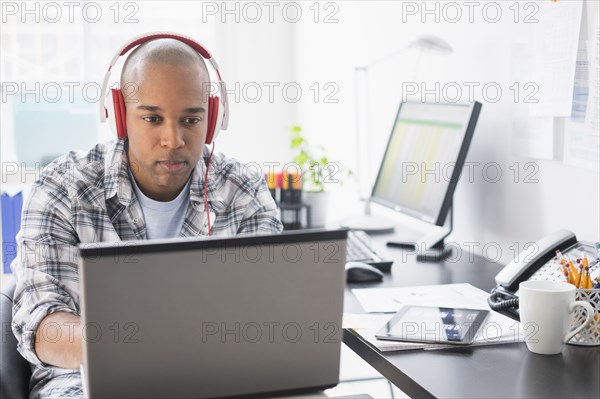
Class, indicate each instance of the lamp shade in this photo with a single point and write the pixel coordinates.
(431, 44)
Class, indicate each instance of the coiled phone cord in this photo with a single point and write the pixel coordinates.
(498, 305)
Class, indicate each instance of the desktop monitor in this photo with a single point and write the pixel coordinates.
(419, 172)
(424, 157)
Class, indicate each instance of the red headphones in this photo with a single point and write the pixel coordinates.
(113, 107)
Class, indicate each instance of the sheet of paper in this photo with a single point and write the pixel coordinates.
(581, 84)
(592, 116)
(497, 329)
(581, 140)
(365, 321)
(556, 37)
(531, 136)
(581, 146)
(389, 300)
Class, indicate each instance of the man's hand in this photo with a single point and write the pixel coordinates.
(58, 340)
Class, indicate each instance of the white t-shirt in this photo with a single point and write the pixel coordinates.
(163, 219)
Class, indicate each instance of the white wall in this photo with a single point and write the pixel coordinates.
(504, 212)
(255, 58)
(320, 58)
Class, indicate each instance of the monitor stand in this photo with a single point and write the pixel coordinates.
(439, 251)
(368, 223)
(436, 252)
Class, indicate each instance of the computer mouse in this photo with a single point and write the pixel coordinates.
(359, 272)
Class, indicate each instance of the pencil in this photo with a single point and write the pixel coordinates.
(588, 281)
(574, 270)
(580, 273)
(569, 271)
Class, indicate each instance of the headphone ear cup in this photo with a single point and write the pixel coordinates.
(110, 112)
(212, 130)
(118, 103)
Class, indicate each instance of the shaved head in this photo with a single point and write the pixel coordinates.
(160, 51)
(165, 85)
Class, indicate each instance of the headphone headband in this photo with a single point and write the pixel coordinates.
(146, 37)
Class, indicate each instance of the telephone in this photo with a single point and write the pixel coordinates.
(535, 263)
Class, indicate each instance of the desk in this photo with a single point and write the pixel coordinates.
(496, 371)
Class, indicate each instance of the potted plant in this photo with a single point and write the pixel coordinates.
(317, 172)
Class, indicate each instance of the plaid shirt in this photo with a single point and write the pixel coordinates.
(88, 197)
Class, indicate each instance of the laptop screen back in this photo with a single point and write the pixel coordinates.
(216, 317)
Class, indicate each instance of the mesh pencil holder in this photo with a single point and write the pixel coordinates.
(589, 336)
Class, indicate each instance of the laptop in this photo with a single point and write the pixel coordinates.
(199, 318)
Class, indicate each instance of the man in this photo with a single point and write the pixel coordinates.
(148, 185)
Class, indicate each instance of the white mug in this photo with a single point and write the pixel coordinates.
(545, 308)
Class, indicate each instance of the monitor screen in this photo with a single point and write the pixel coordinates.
(424, 157)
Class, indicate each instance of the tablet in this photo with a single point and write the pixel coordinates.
(434, 324)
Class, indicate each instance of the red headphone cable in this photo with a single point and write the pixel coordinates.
(206, 185)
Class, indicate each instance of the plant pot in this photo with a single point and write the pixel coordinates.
(318, 202)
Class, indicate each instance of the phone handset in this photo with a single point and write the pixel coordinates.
(524, 266)
(543, 249)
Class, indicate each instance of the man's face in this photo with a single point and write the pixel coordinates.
(166, 126)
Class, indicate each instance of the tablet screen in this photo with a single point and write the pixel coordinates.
(434, 324)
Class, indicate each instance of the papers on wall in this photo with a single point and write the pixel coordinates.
(581, 86)
(563, 120)
(498, 328)
(532, 136)
(556, 38)
(581, 146)
(581, 131)
(592, 116)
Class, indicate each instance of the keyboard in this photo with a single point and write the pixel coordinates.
(359, 248)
